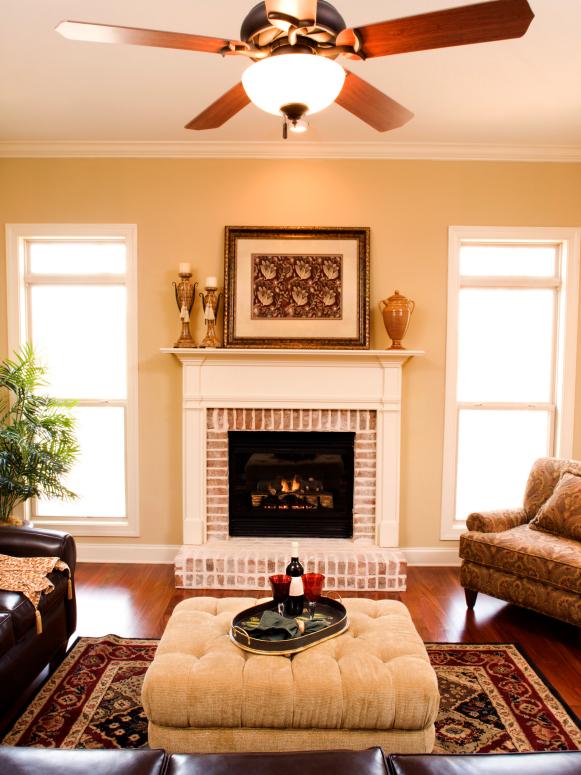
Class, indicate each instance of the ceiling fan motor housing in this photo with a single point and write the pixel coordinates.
(256, 25)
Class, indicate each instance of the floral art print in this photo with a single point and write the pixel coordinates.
(297, 286)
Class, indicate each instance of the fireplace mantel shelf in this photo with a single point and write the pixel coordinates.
(222, 354)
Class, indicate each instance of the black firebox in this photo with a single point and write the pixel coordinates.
(291, 483)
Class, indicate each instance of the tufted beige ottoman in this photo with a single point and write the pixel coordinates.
(373, 685)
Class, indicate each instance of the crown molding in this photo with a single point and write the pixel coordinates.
(289, 150)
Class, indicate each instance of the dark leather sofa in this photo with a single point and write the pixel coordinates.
(23, 652)
(35, 761)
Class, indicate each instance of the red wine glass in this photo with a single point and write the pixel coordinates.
(280, 585)
(313, 586)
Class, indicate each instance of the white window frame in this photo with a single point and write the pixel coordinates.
(17, 235)
(565, 353)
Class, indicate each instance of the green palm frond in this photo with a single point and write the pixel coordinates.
(38, 446)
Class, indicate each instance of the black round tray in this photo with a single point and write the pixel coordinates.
(331, 609)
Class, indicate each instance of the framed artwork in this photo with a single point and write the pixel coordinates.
(296, 287)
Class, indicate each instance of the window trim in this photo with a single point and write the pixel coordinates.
(16, 236)
(565, 351)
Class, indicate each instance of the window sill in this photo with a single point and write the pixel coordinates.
(453, 531)
(85, 527)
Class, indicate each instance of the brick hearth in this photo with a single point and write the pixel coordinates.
(246, 563)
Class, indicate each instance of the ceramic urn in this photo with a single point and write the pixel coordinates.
(397, 311)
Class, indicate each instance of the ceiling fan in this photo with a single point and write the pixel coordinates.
(294, 46)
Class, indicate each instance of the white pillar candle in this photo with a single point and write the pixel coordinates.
(211, 282)
(185, 268)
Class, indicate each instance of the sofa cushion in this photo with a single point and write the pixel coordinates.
(21, 609)
(562, 762)
(543, 478)
(561, 513)
(39, 761)
(533, 554)
(368, 762)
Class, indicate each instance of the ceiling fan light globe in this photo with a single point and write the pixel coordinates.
(285, 79)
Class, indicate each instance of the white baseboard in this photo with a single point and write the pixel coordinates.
(156, 554)
(164, 554)
(435, 556)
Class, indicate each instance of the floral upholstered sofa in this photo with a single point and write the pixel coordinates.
(530, 556)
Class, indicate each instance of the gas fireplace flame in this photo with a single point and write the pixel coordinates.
(284, 492)
(290, 485)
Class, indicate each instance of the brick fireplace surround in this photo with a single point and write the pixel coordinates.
(291, 390)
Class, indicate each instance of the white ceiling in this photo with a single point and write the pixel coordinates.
(523, 92)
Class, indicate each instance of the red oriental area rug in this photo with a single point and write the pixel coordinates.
(492, 700)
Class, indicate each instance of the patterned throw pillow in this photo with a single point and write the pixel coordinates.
(561, 513)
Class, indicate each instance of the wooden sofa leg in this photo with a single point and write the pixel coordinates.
(471, 596)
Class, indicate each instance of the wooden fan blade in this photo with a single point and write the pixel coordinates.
(226, 106)
(371, 105)
(480, 23)
(107, 33)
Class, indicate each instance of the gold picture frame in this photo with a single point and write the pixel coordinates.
(296, 287)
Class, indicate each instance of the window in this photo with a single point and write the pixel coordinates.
(510, 363)
(72, 292)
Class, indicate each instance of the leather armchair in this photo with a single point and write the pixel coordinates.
(23, 652)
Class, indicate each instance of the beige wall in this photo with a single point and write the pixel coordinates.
(181, 207)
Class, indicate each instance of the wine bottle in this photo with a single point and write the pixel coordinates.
(296, 598)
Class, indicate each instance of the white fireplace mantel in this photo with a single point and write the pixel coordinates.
(292, 379)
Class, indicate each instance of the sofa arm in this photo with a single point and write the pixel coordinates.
(33, 542)
(496, 521)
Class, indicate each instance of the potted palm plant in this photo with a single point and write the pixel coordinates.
(37, 436)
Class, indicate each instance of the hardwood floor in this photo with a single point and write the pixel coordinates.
(137, 600)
